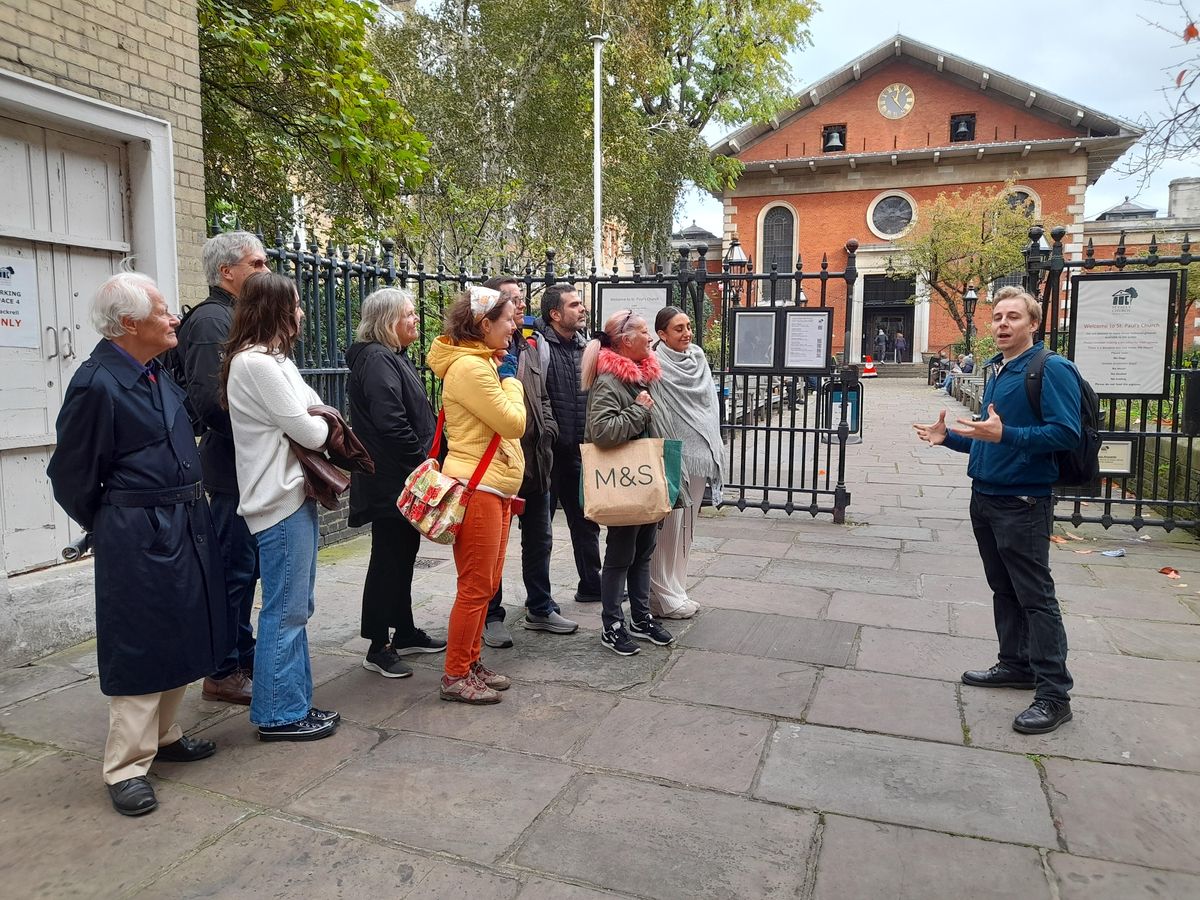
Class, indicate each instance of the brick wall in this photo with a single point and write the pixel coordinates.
(937, 98)
(333, 526)
(141, 55)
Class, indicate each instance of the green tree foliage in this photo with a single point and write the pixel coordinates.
(293, 103)
(960, 240)
(503, 89)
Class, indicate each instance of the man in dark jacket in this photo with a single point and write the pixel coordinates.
(563, 319)
(126, 469)
(1013, 471)
(229, 259)
(537, 445)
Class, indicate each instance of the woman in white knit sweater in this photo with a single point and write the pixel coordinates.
(268, 403)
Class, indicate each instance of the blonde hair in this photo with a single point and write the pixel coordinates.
(380, 312)
(614, 333)
(1012, 292)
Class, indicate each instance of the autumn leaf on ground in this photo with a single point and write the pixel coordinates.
(1074, 537)
(1084, 551)
(1058, 539)
(1169, 571)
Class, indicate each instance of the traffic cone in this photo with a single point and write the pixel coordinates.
(868, 368)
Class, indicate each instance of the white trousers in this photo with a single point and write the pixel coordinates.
(669, 565)
(137, 726)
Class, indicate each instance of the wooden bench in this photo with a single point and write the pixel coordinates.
(968, 390)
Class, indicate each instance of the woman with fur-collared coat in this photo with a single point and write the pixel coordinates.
(618, 372)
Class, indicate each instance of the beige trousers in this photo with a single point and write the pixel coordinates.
(669, 565)
(137, 726)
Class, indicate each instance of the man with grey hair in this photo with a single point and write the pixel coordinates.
(126, 469)
(229, 259)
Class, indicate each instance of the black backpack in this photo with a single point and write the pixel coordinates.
(1081, 464)
(172, 361)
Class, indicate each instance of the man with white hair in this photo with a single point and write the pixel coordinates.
(229, 259)
(127, 470)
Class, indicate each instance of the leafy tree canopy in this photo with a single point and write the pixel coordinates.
(960, 240)
(293, 103)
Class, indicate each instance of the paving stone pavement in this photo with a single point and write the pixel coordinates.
(807, 736)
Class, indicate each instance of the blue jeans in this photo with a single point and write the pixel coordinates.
(282, 676)
(239, 552)
(1014, 543)
(537, 540)
(585, 534)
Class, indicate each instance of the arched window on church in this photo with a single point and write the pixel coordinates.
(779, 233)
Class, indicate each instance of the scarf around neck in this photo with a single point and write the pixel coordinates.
(689, 396)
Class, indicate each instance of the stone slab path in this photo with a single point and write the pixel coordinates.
(806, 737)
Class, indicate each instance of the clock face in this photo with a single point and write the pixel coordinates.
(896, 101)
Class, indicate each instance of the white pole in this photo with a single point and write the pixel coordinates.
(597, 211)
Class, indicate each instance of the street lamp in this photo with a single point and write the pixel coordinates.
(970, 298)
(737, 264)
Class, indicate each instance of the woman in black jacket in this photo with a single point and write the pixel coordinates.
(393, 418)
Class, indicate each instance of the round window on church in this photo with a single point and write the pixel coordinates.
(891, 214)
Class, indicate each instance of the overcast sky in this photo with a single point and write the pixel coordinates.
(1100, 54)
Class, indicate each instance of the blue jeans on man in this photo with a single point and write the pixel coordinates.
(239, 552)
(282, 673)
(537, 540)
(1013, 534)
(585, 535)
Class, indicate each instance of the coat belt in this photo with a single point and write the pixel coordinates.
(157, 496)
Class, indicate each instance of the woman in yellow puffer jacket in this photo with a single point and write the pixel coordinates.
(481, 398)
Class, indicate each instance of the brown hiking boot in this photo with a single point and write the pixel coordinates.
(467, 689)
(494, 680)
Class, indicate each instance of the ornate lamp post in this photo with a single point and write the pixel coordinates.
(737, 263)
(970, 298)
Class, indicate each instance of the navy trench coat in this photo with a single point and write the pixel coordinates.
(161, 612)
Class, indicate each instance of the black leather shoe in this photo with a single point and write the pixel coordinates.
(186, 749)
(998, 675)
(581, 597)
(133, 796)
(1043, 716)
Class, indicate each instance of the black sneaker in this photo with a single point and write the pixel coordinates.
(307, 729)
(651, 631)
(324, 715)
(418, 642)
(617, 640)
(387, 663)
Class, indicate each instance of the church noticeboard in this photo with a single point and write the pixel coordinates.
(644, 299)
(792, 340)
(19, 318)
(1120, 335)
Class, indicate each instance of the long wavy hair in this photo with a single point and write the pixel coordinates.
(264, 314)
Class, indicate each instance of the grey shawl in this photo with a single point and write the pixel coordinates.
(688, 394)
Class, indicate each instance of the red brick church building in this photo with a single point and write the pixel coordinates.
(863, 148)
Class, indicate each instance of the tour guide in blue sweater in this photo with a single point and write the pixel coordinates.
(1013, 469)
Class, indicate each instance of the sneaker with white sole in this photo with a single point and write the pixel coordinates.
(496, 635)
(467, 689)
(419, 642)
(494, 680)
(651, 631)
(552, 622)
(617, 640)
(387, 663)
(685, 610)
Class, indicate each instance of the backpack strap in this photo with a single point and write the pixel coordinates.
(1033, 380)
(485, 461)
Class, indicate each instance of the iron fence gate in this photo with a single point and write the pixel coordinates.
(1163, 486)
(785, 441)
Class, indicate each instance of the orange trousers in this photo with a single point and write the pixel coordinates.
(479, 558)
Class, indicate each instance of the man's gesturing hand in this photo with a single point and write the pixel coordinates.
(990, 429)
(935, 433)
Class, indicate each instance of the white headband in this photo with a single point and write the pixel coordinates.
(483, 300)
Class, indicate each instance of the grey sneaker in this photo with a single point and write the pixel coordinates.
(552, 622)
(496, 635)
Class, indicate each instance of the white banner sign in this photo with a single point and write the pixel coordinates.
(644, 300)
(19, 319)
(1121, 331)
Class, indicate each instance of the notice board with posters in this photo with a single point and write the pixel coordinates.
(1121, 331)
